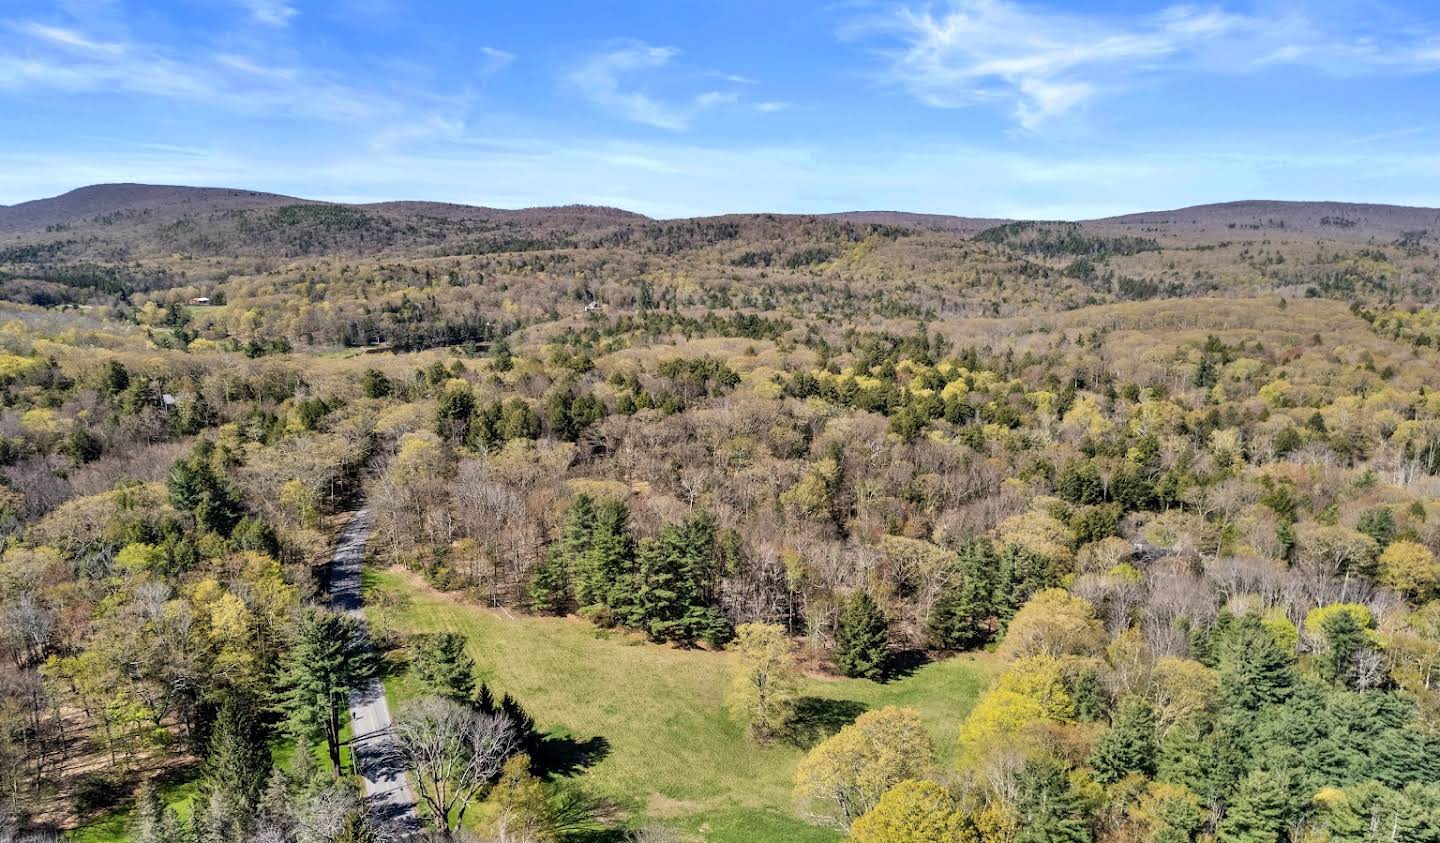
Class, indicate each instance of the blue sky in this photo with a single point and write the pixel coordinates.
(1064, 109)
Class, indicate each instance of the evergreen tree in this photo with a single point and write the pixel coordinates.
(608, 554)
(305, 774)
(1369, 812)
(502, 356)
(238, 762)
(374, 384)
(442, 666)
(862, 637)
(1079, 483)
(453, 413)
(961, 619)
(1260, 811)
(254, 534)
(327, 659)
(1378, 524)
(1254, 669)
(485, 700)
(550, 582)
(674, 573)
(518, 420)
(1049, 809)
(1089, 697)
(568, 414)
(153, 821)
(274, 802)
(114, 377)
(1020, 573)
(549, 589)
(1208, 761)
(1345, 639)
(195, 487)
(1129, 745)
(485, 427)
(525, 729)
(1205, 373)
(218, 817)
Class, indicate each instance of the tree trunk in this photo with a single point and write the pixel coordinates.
(332, 736)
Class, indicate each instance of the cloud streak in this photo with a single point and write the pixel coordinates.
(66, 60)
(1040, 65)
(602, 80)
(270, 12)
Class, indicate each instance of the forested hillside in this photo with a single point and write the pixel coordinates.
(1118, 530)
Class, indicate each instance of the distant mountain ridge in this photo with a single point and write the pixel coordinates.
(1345, 220)
(99, 200)
(1304, 217)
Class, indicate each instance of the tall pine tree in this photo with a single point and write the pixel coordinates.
(326, 660)
(1255, 670)
(238, 761)
(1260, 812)
(1129, 745)
(443, 667)
(673, 583)
(550, 587)
(862, 637)
(600, 571)
(1345, 640)
(963, 616)
(1049, 809)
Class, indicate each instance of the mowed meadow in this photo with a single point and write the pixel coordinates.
(646, 724)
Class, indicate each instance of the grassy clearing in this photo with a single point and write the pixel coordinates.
(646, 724)
(115, 826)
(179, 790)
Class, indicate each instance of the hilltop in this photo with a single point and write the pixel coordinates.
(1344, 219)
(101, 243)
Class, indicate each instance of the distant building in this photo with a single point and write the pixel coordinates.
(200, 300)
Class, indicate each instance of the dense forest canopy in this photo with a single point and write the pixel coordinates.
(1174, 476)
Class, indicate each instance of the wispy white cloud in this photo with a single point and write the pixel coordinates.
(602, 80)
(1038, 64)
(494, 60)
(771, 106)
(1041, 64)
(270, 12)
(733, 78)
(66, 60)
(66, 38)
(248, 65)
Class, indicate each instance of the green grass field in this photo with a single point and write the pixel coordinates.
(651, 719)
(179, 791)
(115, 827)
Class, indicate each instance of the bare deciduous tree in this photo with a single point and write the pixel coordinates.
(452, 752)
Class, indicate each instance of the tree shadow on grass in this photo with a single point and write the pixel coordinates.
(559, 755)
(817, 718)
(391, 663)
(598, 835)
(903, 663)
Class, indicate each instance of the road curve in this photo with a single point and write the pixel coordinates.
(386, 789)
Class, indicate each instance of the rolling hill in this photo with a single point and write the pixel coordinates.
(1342, 220)
(101, 243)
